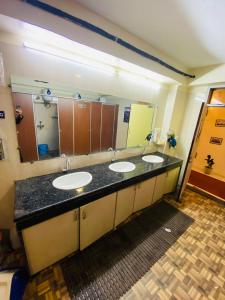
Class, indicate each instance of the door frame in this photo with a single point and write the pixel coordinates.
(195, 138)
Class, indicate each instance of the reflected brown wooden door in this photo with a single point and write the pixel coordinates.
(26, 128)
(115, 125)
(81, 127)
(108, 126)
(96, 110)
(65, 107)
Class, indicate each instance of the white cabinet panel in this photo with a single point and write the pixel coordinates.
(96, 219)
(124, 204)
(159, 187)
(51, 240)
(144, 194)
(171, 180)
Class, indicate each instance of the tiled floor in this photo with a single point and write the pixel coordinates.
(193, 268)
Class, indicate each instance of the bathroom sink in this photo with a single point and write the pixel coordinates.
(122, 166)
(153, 159)
(72, 181)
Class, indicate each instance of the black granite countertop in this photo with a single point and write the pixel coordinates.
(37, 200)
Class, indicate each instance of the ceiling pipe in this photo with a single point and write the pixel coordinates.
(58, 12)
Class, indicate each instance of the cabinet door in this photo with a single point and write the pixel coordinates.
(26, 128)
(124, 204)
(144, 194)
(171, 180)
(65, 107)
(159, 187)
(96, 219)
(51, 240)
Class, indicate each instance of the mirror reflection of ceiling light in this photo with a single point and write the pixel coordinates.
(135, 69)
(142, 80)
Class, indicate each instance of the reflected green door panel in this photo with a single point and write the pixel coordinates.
(140, 124)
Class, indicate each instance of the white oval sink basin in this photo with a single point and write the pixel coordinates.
(153, 159)
(72, 181)
(122, 166)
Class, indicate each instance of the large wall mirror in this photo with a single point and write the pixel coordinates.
(49, 125)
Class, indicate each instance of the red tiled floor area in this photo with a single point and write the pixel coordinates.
(208, 183)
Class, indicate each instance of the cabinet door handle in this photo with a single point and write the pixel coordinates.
(84, 215)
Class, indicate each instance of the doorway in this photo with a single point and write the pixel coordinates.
(205, 168)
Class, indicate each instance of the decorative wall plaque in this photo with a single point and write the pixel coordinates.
(220, 123)
(216, 140)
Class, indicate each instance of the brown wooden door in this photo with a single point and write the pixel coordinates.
(26, 128)
(96, 111)
(115, 125)
(81, 127)
(65, 107)
(107, 132)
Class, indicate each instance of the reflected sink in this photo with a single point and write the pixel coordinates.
(122, 166)
(72, 181)
(153, 159)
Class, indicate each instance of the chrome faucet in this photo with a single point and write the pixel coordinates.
(144, 149)
(114, 153)
(66, 163)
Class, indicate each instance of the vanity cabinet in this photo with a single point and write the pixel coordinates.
(171, 180)
(159, 189)
(51, 240)
(96, 219)
(144, 194)
(124, 204)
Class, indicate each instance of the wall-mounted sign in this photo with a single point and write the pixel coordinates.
(2, 114)
(220, 123)
(215, 140)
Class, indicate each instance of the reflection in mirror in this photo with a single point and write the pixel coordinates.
(77, 122)
(140, 124)
(46, 125)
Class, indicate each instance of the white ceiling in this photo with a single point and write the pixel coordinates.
(190, 31)
(17, 32)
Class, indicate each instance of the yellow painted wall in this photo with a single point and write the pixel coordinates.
(140, 124)
(205, 147)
